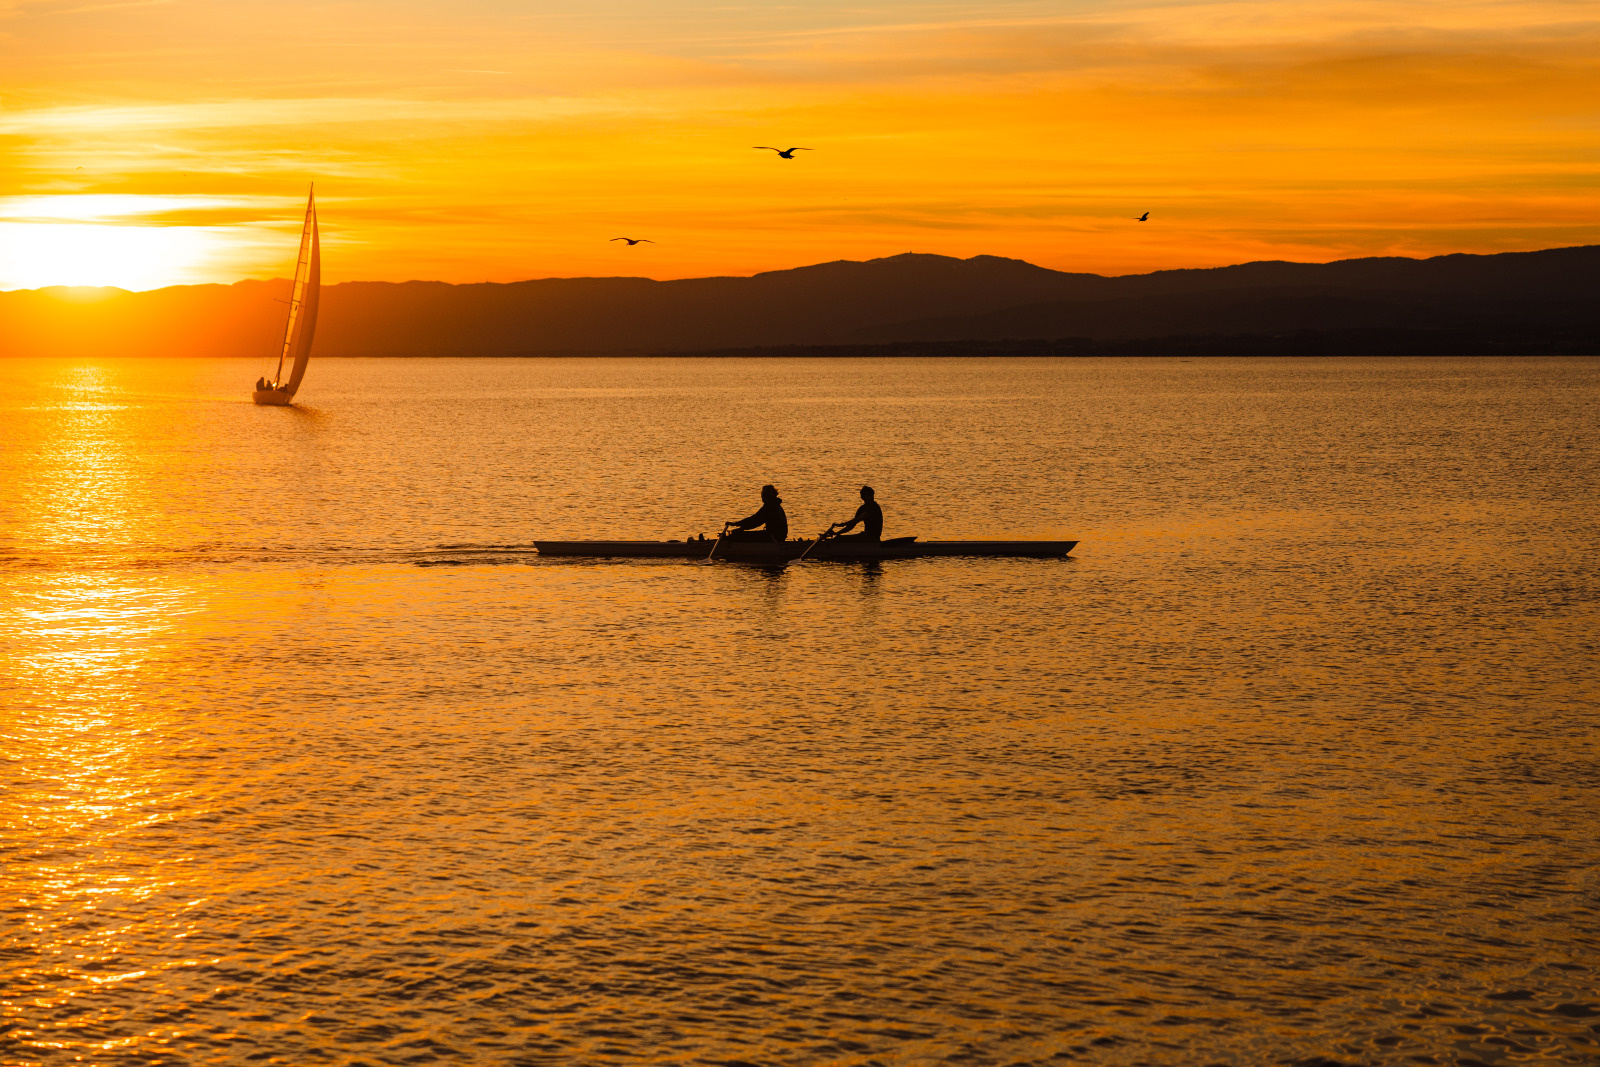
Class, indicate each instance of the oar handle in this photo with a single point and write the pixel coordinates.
(821, 537)
(718, 545)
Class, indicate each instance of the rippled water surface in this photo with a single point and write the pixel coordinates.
(309, 758)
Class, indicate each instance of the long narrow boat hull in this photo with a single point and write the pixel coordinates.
(1025, 549)
(786, 551)
(275, 397)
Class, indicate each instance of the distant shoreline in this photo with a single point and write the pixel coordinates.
(1302, 343)
(1353, 344)
(1307, 344)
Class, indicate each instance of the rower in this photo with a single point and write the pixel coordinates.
(869, 516)
(771, 516)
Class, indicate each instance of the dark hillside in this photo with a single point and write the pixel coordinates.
(897, 299)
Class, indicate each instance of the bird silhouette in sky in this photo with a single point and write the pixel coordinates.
(634, 240)
(1143, 218)
(783, 153)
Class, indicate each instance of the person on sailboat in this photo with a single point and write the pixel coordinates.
(771, 516)
(869, 516)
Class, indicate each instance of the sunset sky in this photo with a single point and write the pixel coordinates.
(151, 142)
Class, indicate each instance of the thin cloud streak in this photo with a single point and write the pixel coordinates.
(247, 114)
(110, 207)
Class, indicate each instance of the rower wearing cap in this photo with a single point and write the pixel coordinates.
(771, 516)
(869, 516)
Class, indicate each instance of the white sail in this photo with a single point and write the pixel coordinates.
(302, 325)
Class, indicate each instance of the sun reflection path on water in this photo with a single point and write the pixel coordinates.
(88, 751)
(76, 489)
(88, 772)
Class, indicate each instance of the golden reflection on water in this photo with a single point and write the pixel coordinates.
(86, 742)
(78, 487)
(91, 753)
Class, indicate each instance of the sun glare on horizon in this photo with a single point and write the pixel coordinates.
(38, 254)
(129, 241)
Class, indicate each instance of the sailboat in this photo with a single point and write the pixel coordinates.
(302, 314)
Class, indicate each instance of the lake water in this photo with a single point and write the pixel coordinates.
(309, 758)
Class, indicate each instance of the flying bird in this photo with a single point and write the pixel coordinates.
(1143, 218)
(783, 153)
(634, 240)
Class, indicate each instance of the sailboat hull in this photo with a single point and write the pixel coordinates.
(275, 397)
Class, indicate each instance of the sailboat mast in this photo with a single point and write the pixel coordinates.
(297, 293)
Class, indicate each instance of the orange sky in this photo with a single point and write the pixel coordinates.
(149, 142)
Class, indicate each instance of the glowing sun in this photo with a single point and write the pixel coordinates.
(36, 254)
(112, 240)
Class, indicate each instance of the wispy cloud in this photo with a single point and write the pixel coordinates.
(302, 112)
(40, 8)
(110, 207)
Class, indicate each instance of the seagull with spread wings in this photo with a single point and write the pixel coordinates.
(634, 240)
(783, 153)
(1143, 218)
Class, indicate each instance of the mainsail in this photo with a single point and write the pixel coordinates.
(302, 303)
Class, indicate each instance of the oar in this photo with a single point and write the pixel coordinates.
(714, 547)
(825, 535)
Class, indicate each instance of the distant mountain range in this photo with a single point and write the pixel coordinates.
(1534, 302)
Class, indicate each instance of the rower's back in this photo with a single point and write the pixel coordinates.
(871, 516)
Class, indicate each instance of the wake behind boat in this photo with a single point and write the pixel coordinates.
(841, 549)
(302, 325)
